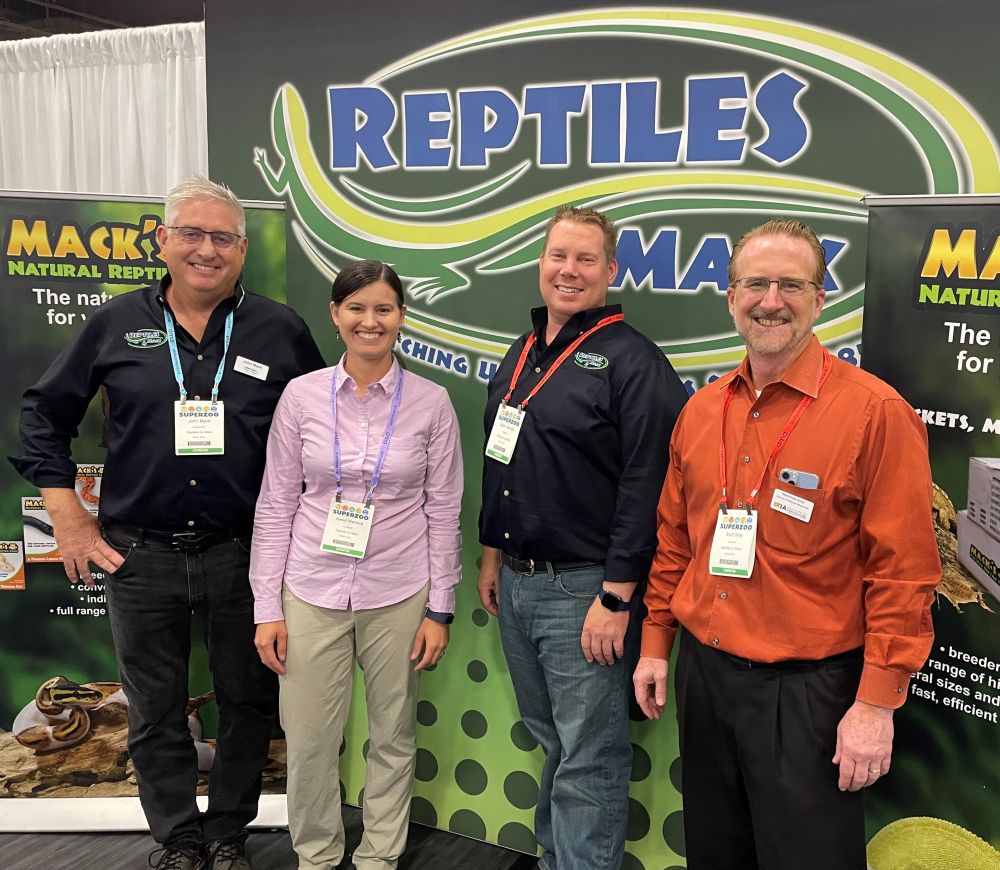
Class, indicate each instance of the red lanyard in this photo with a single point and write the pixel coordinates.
(782, 437)
(614, 318)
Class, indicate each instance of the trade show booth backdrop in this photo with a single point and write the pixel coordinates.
(441, 141)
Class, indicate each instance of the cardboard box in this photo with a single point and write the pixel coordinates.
(979, 553)
(984, 493)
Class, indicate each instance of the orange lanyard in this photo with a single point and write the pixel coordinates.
(614, 318)
(782, 437)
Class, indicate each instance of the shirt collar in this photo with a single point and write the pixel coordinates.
(387, 381)
(579, 322)
(235, 299)
(802, 375)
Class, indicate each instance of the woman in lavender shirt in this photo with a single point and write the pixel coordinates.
(362, 447)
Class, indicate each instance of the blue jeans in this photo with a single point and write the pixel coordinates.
(576, 710)
(151, 598)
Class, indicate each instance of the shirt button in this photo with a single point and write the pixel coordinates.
(724, 596)
(506, 535)
(190, 523)
(506, 492)
(201, 356)
(193, 482)
(715, 641)
(739, 504)
(197, 398)
(537, 369)
(899, 691)
(746, 458)
(756, 414)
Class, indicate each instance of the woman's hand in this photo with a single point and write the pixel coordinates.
(271, 640)
(429, 644)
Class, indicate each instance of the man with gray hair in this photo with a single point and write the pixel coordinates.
(191, 369)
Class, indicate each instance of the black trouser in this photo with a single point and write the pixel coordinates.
(151, 598)
(757, 743)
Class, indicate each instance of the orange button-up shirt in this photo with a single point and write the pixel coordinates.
(861, 572)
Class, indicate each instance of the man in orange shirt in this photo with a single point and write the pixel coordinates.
(799, 557)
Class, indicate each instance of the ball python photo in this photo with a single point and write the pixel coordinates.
(58, 718)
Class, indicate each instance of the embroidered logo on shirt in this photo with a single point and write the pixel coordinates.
(146, 338)
(590, 360)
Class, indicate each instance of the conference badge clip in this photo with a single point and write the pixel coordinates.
(734, 544)
(199, 428)
(503, 436)
(348, 527)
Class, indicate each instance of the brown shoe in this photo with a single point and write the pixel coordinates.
(177, 859)
(226, 855)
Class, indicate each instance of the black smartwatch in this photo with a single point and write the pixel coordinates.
(612, 601)
(443, 618)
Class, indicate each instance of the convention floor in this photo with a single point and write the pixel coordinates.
(427, 849)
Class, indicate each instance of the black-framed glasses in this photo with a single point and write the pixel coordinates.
(786, 286)
(192, 236)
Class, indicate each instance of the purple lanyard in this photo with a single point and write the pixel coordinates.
(393, 410)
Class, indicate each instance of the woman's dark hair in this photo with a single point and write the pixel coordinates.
(362, 273)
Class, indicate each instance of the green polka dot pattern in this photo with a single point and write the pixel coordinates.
(474, 724)
(477, 765)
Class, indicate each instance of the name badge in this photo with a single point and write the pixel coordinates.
(734, 544)
(503, 436)
(792, 505)
(250, 367)
(348, 525)
(199, 428)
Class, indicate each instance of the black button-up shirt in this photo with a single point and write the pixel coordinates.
(587, 471)
(122, 347)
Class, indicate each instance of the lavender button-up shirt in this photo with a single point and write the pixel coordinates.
(415, 536)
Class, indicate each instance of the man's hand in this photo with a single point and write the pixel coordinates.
(78, 537)
(650, 681)
(429, 644)
(864, 745)
(489, 579)
(603, 637)
(271, 640)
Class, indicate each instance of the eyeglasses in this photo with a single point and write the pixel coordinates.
(193, 235)
(786, 286)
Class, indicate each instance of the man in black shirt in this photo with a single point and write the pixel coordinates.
(192, 370)
(578, 422)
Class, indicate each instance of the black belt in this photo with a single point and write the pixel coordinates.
(189, 540)
(851, 655)
(541, 566)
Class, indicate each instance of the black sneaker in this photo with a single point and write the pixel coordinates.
(226, 855)
(177, 859)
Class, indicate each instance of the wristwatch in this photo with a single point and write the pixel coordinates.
(443, 618)
(612, 601)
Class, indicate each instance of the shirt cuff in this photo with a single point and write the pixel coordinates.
(883, 687)
(657, 642)
(441, 600)
(268, 610)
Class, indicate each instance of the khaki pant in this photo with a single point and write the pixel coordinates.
(315, 698)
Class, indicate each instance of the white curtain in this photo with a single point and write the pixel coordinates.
(116, 111)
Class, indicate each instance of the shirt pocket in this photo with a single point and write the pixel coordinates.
(405, 467)
(788, 534)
